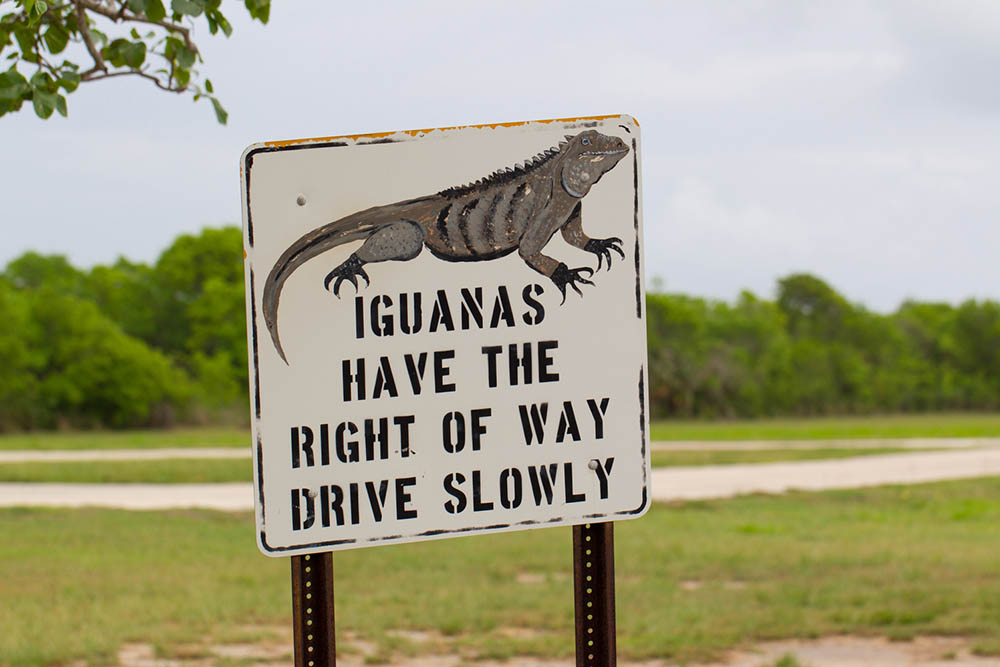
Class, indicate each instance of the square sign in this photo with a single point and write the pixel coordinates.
(447, 332)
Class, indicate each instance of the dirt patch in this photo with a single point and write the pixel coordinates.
(825, 652)
(862, 652)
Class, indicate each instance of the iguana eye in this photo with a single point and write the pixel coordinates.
(586, 141)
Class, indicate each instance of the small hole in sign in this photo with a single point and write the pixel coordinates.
(301, 200)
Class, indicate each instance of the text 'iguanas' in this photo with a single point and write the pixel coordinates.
(518, 208)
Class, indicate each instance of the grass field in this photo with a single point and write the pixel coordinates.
(939, 425)
(167, 471)
(148, 439)
(693, 579)
(204, 471)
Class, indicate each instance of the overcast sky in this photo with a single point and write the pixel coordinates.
(857, 141)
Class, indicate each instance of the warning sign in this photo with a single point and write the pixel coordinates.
(447, 332)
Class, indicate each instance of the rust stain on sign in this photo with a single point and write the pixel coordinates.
(415, 133)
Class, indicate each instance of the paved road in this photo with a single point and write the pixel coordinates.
(668, 483)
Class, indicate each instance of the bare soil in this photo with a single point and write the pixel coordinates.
(825, 652)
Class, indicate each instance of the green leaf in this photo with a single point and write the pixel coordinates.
(61, 105)
(155, 10)
(69, 80)
(208, 86)
(12, 85)
(138, 6)
(42, 81)
(56, 38)
(115, 52)
(259, 9)
(44, 103)
(221, 114)
(185, 58)
(135, 54)
(25, 40)
(188, 7)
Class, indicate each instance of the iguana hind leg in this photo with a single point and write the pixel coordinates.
(399, 241)
(573, 234)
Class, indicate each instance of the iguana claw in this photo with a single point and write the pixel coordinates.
(349, 271)
(602, 248)
(564, 276)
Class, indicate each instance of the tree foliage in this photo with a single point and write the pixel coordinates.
(811, 351)
(127, 344)
(53, 46)
(134, 344)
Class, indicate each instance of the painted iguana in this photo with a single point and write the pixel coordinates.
(518, 208)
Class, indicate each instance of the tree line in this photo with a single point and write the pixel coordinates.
(134, 344)
(812, 352)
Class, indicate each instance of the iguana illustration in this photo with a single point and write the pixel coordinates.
(519, 208)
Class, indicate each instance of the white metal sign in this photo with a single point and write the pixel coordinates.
(447, 332)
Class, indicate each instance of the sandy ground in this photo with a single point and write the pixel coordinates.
(668, 484)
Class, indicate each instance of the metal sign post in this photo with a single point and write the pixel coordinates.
(312, 611)
(594, 593)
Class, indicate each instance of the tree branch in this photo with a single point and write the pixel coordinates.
(159, 84)
(88, 39)
(98, 8)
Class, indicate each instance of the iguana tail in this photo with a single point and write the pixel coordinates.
(352, 228)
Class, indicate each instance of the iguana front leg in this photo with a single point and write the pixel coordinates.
(530, 250)
(572, 232)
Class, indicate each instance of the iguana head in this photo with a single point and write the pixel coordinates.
(586, 157)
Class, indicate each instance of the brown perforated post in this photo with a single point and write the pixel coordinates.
(594, 593)
(312, 611)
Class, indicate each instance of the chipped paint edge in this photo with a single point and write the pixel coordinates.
(355, 138)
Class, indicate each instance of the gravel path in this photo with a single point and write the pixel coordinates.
(52, 456)
(668, 484)
(690, 483)
(231, 497)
